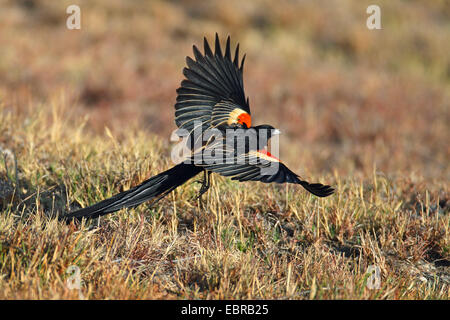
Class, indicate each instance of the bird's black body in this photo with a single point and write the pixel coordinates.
(212, 98)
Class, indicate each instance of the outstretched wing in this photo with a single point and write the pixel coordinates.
(212, 95)
(260, 166)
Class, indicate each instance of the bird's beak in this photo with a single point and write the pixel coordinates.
(275, 132)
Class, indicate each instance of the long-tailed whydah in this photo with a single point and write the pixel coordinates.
(211, 97)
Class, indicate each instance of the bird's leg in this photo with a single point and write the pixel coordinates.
(205, 183)
(203, 180)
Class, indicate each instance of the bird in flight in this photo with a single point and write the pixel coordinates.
(211, 100)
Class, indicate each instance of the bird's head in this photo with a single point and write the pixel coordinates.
(266, 130)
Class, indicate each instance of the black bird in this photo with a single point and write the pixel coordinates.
(212, 99)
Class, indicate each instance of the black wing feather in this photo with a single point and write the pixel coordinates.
(211, 81)
(253, 172)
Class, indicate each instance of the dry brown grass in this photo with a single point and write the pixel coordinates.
(365, 111)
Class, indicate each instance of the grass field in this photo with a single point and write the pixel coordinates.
(85, 114)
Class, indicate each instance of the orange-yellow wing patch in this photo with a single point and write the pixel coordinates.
(239, 116)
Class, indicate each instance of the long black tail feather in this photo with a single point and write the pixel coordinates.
(153, 189)
(317, 189)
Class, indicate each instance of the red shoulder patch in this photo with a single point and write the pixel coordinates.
(244, 118)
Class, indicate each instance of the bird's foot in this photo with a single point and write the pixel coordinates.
(205, 184)
(203, 190)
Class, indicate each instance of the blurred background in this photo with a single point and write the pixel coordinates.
(347, 99)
